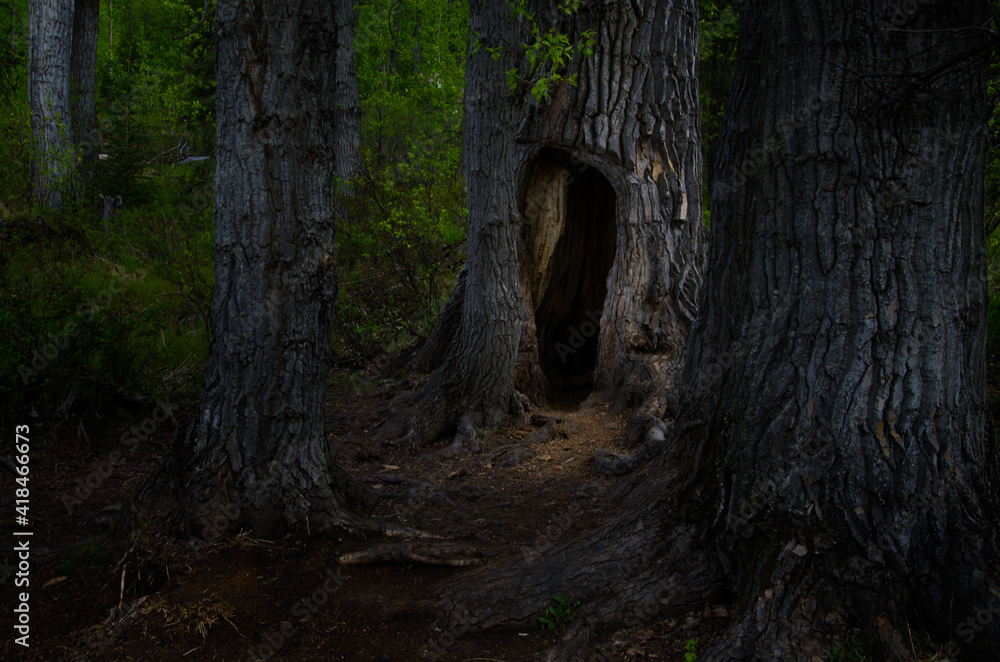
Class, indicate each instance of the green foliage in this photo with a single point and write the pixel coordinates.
(90, 307)
(560, 614)
(399, 242)
(718, 40)
(15, 147)
(87, 310)
(398, 254)
(850, 652)
(89, 554)
(155, 92)
(549, 52)
(691, 650)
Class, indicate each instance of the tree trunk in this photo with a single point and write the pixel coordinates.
(83, 70)
(830, 449)
(585, 240)
(50, 26)
(256, 456)
(347, 142)
(478, 347)
(839, 361)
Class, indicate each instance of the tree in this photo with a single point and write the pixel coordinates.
(585, 242)
(50, 26)
(83, 72)
(828, 472)
(62, 60)
(255, 455)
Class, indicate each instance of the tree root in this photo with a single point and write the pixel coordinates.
(573, 646)
(466, 442)
(441, 409)
(611, 463)
(629, 570)
(445, 554)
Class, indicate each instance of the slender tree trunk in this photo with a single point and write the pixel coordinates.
(83, 70)
(256, 456)
(50, 25)
(829, 457)
(585, 243)
(348, 119)
(478, 350)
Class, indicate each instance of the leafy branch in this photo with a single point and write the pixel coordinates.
(549, 52)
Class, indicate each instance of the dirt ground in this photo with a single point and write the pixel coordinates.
(250, 599)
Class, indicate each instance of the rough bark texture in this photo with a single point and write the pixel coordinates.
(840, 357)
(478, 334)
(584, 220)
(829, 452)
(347, 142)
(256, 456)
(50, 26)
(633, 119)
(83, 70)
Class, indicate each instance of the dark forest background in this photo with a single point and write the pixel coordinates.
(111, 295)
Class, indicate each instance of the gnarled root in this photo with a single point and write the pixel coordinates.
(446, 554)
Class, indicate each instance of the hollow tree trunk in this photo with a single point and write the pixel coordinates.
(830, 452)
(256, 456)
(584, 214)
(50, 26)
(83, 71)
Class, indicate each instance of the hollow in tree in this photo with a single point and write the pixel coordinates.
(828, 475)
(585, 225)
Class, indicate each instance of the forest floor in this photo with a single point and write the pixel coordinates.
(289, 599)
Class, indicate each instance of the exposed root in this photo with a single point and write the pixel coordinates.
(629, 571)
(610, 463)
(543, 435)
(421, 422)
(445, 554)
(573, 646)
(441, 409)
(466, 442)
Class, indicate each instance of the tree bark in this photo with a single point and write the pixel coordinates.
(83, 71)
(829, 452)
(839, 361)
(256, 456)
(619, 156)
(474, 373)
(50, 26)
(347, 156)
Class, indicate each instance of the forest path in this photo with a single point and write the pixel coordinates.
(289, 599)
